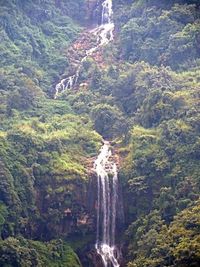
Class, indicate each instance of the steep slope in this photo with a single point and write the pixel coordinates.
(140, 91)
(161, 161)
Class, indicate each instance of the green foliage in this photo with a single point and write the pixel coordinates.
(108, 120)
(155, 244)
(144, 94)
(24, 253)
(33, 38)
(159, 158)
(3, 215)
(160, 33)
(47, 155)
(161, 171)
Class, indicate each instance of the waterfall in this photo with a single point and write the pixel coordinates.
(104, 34)
(107, 194)
(63, 85)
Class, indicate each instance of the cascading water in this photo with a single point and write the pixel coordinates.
(107, 184)
(63, 85)
(104, 33)
(104, 165)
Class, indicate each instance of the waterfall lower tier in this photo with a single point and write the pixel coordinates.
(107, 195)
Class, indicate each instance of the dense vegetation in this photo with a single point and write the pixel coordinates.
(21, 252)
(44, 146)
(161, 33)
(161, 169)
(143, 95)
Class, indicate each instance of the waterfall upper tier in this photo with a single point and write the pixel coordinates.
(103, 34)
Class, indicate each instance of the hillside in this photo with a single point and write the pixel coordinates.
(137, 86)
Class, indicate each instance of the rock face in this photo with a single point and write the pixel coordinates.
(93, 12)
(66, 219)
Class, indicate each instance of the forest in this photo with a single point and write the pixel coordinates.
(136, 86)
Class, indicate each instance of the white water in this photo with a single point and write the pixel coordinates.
(104, 34)
(63, 85)
(107, 184)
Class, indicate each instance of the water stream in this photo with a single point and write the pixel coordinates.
(105, 166)
(104, 34)
(107, 196)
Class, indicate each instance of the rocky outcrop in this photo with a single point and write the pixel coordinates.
(64, 208)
